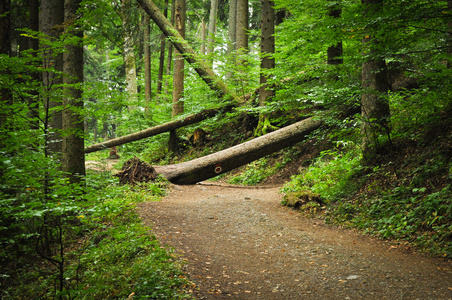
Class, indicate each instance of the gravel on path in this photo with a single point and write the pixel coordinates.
(240, 243)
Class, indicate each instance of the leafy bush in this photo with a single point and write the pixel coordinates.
(329, 175)
(254, 173)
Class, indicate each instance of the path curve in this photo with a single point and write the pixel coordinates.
(240, 243)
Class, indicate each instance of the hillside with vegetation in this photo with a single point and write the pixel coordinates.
(376, 75)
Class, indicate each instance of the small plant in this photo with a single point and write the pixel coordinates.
(329, 175)
(254, 173)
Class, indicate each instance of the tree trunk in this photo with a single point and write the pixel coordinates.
(242, 26)
(178, 74)
(73, 160)
(226, 160)
(169, 61)
(334, 52)
(129, 52)
(173, 125)
(266, 91)
(375, 84)
(6, 97)
(203, 37)
(187, 52)
(147, 63)
(51, 19)
(33, 103)
(212, 30)
(162, 54)
(232, 32)
(449, 36)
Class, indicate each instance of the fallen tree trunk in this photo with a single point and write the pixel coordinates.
(187, 51)
(191, 119)
(209, 166)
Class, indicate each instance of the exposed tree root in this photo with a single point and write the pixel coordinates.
(135, 170)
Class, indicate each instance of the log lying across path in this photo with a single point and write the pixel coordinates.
(209, 166)
(165, 127)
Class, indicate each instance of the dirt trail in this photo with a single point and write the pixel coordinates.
(240, 243)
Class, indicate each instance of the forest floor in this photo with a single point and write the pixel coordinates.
(241, 243)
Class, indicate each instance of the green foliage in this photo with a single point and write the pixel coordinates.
(254, 173)
(122, 260)
(410, 214)
(107, 252)
(120, 257)
(48, 227)
(329, 175)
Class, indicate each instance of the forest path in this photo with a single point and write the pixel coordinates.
(240, 243)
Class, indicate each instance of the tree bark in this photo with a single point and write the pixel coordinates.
(203, 37)
(374, 103)
(73, 159)
(226, 160)
(449, 36)
(173, 125)
(267, 49)
(162, 54)
(33, 103)
(178, 74)
(212, 30)
(266, 91)
(129, 52)
(242, 26)
(334, 53)
(51, 18)
(232, 34)
(6, 97)
(147, 63)
(170, 52)
(187, 52)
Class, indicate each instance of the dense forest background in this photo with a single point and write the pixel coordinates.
(376, 73)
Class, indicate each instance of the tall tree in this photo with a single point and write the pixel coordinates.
(73, 161)
(162, 54)
(449, 36)
(147, 61)
(242, 26)
(232, 32)
(33, 44)
(334, 52)
(50, 22)
(266, 91)
(375, 84)
(127, 14)
(212, 30)
(6, 97)
(178, 73)
(169, 60)
(203, 31)
(5, 27)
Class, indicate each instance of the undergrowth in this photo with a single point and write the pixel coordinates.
(108, 254)
(406, 198)
(254, 173)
